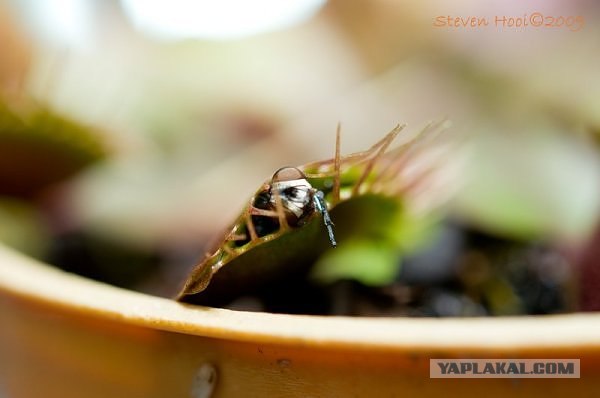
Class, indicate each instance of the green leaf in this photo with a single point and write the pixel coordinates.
(369, 262)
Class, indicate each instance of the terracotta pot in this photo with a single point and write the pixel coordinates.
(64, 336)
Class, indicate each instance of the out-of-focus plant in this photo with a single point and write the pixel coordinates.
(536, 184)
(39, 149)
(22, 227)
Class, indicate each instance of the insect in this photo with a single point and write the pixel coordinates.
(299, 200)
(280, 232)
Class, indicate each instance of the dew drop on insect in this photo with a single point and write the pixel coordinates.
(288, 174)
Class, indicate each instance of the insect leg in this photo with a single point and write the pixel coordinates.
(319, 199)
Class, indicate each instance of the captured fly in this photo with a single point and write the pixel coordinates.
(280, 232)
(299, 200)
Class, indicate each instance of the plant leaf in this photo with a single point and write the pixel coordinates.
(368, 209)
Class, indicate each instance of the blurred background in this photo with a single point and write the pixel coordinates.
(133, 132)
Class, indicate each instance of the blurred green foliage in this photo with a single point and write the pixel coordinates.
(39, 148)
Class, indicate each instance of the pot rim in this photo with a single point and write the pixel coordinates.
(35, 282)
